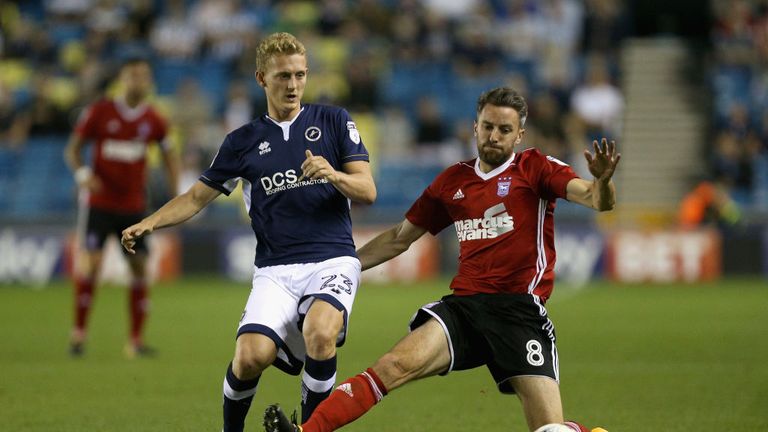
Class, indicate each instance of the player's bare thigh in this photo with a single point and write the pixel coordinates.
(89, 263)
(321, 328)
(540, 398)
(254, 352)
(423, 352)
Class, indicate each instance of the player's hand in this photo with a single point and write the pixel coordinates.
(133, 233)
(86, 179)
(602, 163)
(317, 167)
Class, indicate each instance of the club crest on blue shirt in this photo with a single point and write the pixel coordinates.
(503, 186)
(354, 135)
(312, 133)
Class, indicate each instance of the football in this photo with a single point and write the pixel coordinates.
(554, 427)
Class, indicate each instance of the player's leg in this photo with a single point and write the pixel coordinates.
(321, 329)
(138, 302)
(267, 329)
(524, 358)
(91, 233)
(540, 399)
(254, 352)
(327, 290)
(138, 288)
(85, 278)
(423, 352)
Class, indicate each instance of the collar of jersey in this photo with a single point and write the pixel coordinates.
(494, 172)
(286, 125)
(127, 112)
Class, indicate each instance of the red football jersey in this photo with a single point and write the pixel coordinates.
(122, 135)
(504, 222)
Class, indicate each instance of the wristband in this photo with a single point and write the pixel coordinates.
(83, 174)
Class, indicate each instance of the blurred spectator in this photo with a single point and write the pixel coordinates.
(193, 116)
(729, 162)
(451, 8)
(476, 53)
(598, 103)
(520, 30)
(142, 15)
(430, 127)
(545, 126)
(398, 133)
(372, 15)
(107, 16)
(709, 203)
(363, 85)
(12, 129)
(333, 13)
(175, 36)
(238, 109)
(227, 27)
(43, 115)
(733, 31)
(440, 39)
(67, 10)
(408, 31)
(604, 27)
(562, 25)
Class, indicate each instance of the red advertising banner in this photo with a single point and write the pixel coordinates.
(663, 256)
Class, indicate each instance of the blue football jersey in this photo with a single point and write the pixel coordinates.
(294, 221)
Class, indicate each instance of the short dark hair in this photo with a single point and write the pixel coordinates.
(506, 97)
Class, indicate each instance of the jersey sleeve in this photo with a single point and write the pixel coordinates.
(555, 175)
(87, 122)
(428, 211)
(352, 147)
(224, 172)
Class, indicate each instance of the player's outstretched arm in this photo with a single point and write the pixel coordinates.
(172, 213)
(600, 193)
(389, 244)
(354, 181)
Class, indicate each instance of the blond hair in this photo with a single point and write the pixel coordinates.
(277, 44)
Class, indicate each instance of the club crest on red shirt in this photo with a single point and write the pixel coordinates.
(503, 189)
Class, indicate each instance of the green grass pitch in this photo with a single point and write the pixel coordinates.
(632, 358)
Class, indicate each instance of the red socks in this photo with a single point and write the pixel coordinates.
(350, 400)
(83, 300)
(139, 306)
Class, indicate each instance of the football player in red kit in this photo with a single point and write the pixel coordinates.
(121, 130)
(502, 208)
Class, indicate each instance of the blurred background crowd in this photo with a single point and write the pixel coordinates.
(409, 71)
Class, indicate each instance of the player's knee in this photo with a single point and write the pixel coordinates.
(248, 365)
(320, 340)
(396, 368)
(251, 358)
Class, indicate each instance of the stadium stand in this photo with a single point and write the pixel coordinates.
(411, 49)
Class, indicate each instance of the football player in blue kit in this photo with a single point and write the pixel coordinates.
(300, 166)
